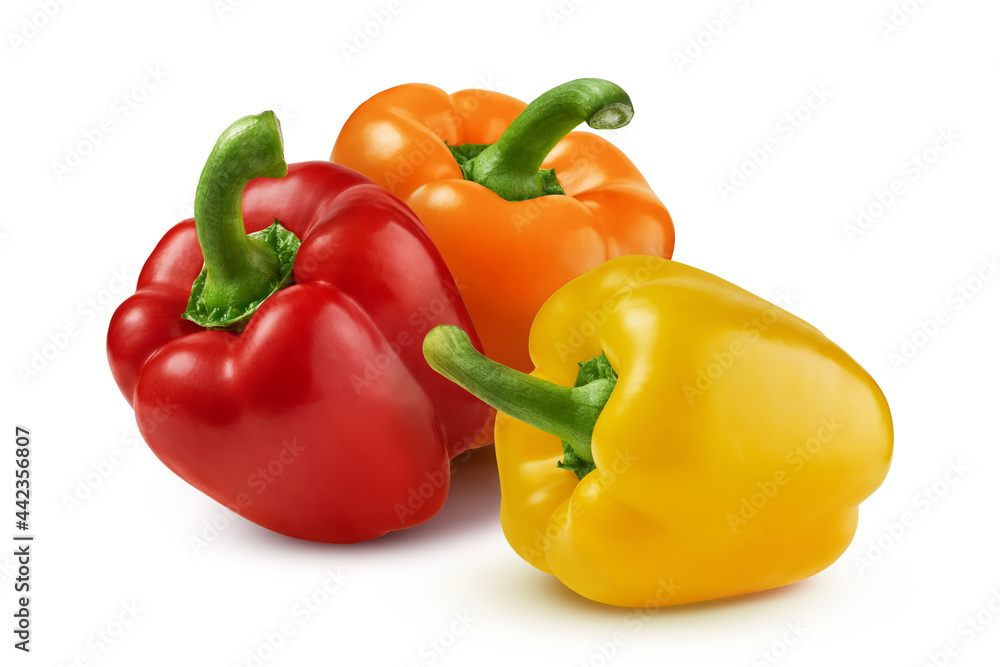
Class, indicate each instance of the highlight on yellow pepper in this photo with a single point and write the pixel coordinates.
(680, 439)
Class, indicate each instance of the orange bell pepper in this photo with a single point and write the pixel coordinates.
(477, 168)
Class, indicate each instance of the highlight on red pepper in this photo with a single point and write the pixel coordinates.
(272, 348)
(517, 204)
(679, 439)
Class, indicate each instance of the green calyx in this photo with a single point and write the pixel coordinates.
(465, 155)
(593, 370)
(570, 413)
(512, 166)
(285, 245)
(241, 270)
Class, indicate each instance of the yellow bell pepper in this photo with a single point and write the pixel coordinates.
(680, 439)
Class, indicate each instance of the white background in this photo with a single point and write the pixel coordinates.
(66, 237)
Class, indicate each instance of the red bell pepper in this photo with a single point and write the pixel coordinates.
(286, 381)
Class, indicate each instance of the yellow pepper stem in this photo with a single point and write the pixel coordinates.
(568, 413)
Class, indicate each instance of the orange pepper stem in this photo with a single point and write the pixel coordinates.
(569, 413)
(510, 167)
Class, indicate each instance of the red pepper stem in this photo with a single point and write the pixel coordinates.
(239, 269)
(510, 166)
(569, 413)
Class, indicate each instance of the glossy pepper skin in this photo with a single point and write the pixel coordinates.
(732, 450)
(508, 243)
(320, 419)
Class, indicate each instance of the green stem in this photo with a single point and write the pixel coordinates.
(240, 270)
(510, 167)
(569, 413)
